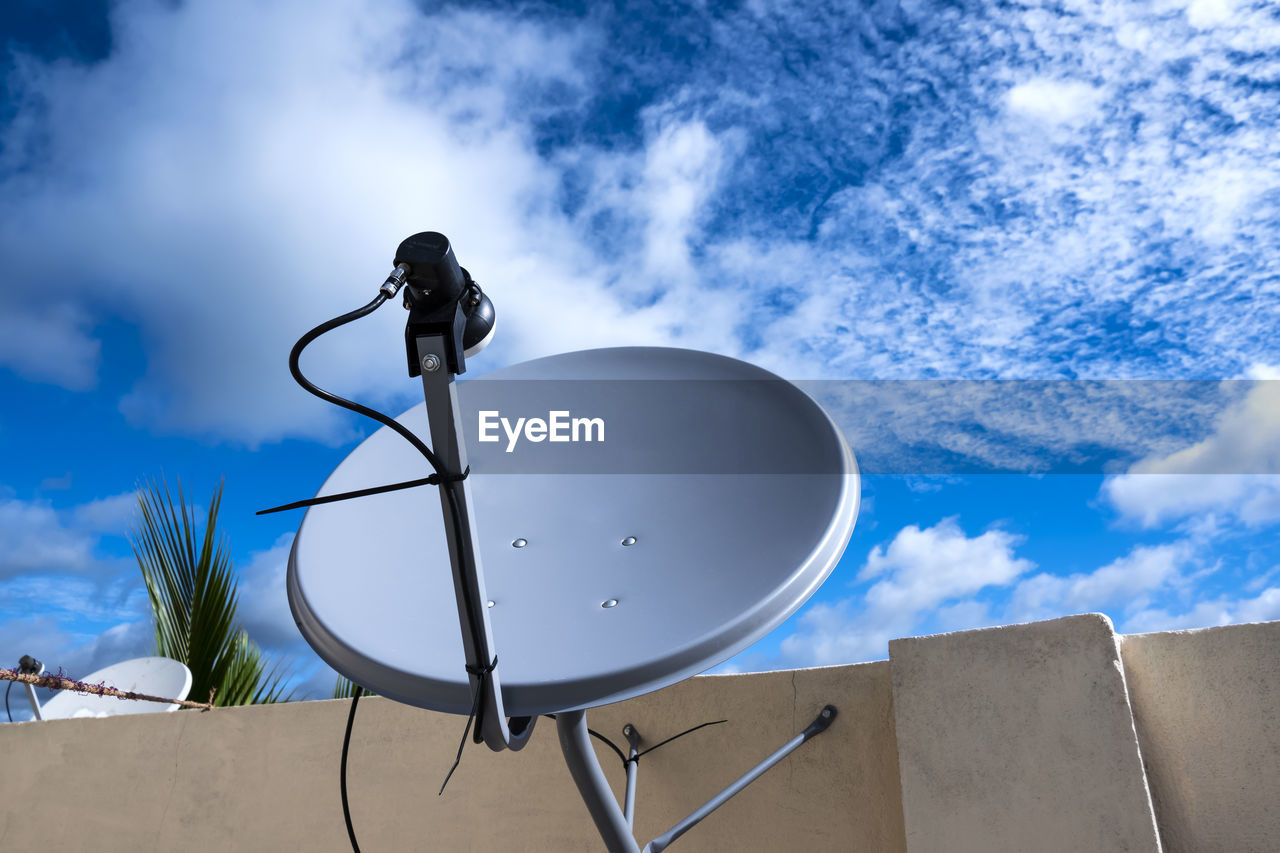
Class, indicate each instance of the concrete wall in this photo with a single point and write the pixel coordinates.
(1044, 737)
(1020, 738)
(266, 778)
(1207, 708)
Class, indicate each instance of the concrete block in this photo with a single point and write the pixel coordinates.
(1207, 708)
(1019, 738)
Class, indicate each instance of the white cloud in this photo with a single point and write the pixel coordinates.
(1234, 473)
(938, 579)
(1122, 585)
(239, 172)
(263, 608)
(1055, 101)
(33, 538)
(49, 343)
(680, 173)
(1265, 607)
(917, 572)
(1206, 14)
(922, 568)
(110, 515)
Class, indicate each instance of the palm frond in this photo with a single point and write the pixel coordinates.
(345, 688)
(192, 588)
(249, 680)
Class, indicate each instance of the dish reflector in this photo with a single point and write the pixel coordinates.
(154, 676)
(626, 581)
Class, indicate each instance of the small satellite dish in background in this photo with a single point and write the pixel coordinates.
(155, 676)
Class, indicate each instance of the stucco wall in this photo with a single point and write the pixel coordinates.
(266, 778)
(1019, 738)
(1040, 737)
(1207, 707)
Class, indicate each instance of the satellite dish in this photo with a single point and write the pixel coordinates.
(705, 501)
(604, 585)
(155, 676)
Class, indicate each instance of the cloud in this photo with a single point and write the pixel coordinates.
(1206, 14)
(1122, 585)
(872, 206)
(1223, 610)
(77, 600)
(680, 173)
(939, 579)
(1054, 101)
(110, 515)
(34, 538)
(917, 572)
(263, 608)
(62, 586)
(49, 343)
(1189, 483)
(232, 189)
(922, 568)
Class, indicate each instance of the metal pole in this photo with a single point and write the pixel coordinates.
(575, 742)
(816, 727)
(633, 766)
(444, 417)
(31, 697)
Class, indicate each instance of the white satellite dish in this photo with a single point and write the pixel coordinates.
(715, 558)
(154, 676)
(713, 501)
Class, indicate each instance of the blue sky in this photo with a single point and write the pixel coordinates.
(877, 191)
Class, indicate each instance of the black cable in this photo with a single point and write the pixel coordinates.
(6, 701)
(356, 692)
(595, 734)
(447, 480)
(673, 737)
(328, 397)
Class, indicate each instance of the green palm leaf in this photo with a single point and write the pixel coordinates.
(345, 689)
(249, 680)
(192, 588)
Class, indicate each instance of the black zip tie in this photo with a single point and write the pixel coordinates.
(433, 480)
(483, 672)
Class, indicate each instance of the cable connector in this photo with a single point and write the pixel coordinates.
(395, 281)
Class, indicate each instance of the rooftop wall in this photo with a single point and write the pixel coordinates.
(1050, 736)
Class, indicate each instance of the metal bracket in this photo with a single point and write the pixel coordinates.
(444, 417)
(615, 824)
(633, 766)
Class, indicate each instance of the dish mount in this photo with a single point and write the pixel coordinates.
(802, 519)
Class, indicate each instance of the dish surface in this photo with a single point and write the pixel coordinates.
(733, 491)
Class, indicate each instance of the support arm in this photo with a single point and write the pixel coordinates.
(445, 420)
(612, 821)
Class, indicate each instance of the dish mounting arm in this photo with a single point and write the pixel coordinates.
(433, 352)
(615, 823)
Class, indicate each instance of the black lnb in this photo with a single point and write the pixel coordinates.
(435, 279)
